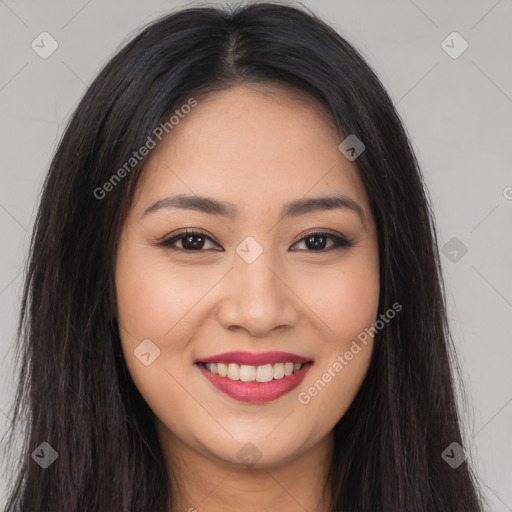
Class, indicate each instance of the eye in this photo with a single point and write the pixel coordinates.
(316, 242)
(190, 240)
(196, 241)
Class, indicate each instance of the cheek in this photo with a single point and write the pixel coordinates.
(155, 302)
(154, 295)
(344, 298)
(346, 301)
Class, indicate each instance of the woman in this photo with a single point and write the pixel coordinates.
(234, 297)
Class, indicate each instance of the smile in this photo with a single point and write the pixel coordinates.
(271, 375)
(246, 373)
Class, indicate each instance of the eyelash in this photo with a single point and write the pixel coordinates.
(339, 242)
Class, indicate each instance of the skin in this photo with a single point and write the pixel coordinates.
(258, 147)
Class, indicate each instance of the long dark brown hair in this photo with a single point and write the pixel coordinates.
(74, 390)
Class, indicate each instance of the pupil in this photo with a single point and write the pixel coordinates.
(188, 244)
(316, 246)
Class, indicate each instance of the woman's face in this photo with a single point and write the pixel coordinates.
(255, 278)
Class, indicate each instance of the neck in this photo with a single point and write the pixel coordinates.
(202, 482)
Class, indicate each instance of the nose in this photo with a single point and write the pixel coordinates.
(257, 299)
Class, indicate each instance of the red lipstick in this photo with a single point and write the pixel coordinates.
(255, 359)
(255, 392)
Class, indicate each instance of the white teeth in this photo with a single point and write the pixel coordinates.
(248, 373)
(212, 367)
(278, 371)
(222, 369)
(265, 373)
(233, 371)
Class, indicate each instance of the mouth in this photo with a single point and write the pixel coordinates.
(270, 375)
(249, 373)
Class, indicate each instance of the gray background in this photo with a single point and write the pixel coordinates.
(456, 110)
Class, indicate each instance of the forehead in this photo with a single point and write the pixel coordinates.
(252, 144)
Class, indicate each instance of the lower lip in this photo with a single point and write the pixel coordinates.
(256, 391)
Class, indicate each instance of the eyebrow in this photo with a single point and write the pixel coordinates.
(292, 209)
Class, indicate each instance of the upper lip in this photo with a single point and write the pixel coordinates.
(251, 359)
